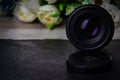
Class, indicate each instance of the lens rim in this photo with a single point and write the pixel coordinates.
(106, 32)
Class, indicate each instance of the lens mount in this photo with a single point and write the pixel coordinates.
(90, 27)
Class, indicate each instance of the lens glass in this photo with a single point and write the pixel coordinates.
(89, 25)
(89, 28)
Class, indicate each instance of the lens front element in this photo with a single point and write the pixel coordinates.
(90, 27)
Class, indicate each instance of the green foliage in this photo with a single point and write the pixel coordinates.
(42, 2)
(50, 26)
(55, 14)
(116, 3)
(70, 8)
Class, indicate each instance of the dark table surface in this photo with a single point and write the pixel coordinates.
(46, 60)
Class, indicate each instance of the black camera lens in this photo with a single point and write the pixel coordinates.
(90, 27)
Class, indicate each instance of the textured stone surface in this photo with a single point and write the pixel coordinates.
(45, 60)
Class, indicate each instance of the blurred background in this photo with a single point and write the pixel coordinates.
(28, 19)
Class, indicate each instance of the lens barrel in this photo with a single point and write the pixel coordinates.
(90, 27)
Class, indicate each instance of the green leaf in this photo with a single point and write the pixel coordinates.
(57, 14)
(62, 7)
(70, 8)
(50, 26)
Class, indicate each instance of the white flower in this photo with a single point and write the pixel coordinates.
(51, 1)
(24, 14)
(45, 14)
(114, 11)
(99, 1)
(31, 4)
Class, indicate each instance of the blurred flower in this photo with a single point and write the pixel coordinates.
(99, 2)
(51, 1)
(49, 15)
(31, 4)
(23, 13)
(114, 11)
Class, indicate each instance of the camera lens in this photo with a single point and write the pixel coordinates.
(90, 27)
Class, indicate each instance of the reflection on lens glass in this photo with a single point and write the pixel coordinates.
(84, 24)
(89, 27)
(95, 31)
